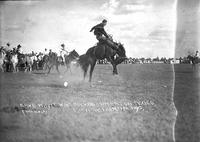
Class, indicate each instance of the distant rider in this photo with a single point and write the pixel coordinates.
(63, 52)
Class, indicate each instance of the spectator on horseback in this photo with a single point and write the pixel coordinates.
(63, 52)
(63, 49)
(102, 36)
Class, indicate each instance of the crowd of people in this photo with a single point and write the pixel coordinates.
(19, 49)
(8, 57)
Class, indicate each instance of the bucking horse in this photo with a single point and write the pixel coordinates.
(99, 52)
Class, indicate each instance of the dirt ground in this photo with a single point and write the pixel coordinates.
(134, 106)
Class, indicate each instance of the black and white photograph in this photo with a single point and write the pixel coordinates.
(99, 70)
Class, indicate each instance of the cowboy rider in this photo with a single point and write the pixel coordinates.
(101, 34)
(63, 48)
(63, 52)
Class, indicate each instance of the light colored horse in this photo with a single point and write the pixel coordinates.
(29, 63)
(2, 58)
(14, 61)
(70, 58)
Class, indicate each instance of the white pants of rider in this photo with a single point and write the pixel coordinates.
(63, 58)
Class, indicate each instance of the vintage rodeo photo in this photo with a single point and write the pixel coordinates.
(99, 70)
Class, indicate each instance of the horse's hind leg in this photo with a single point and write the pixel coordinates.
(31, 68)
(114, 69)
(85, 72)
(14, 67)
(85, 69)
(49, 69)
(91, 70)
(1, 68)
(57, 68)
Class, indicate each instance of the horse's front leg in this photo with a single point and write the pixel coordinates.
(57, 68)
(119, 60)
(92, 69)
(49, 69)
(31, 67)
(67, 67)
(1, 68)
(115, 72)
(25, 67)
(14, 67)
(111, 60)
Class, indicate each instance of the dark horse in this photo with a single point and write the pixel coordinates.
(99, 52)
(194, 60)
(53, 60)
(73, 55)
(50, 61)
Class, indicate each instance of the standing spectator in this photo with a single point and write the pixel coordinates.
(19, 49)
(7, 47)
(45, 52)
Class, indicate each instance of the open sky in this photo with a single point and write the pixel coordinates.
(145, 27)
(188, 27)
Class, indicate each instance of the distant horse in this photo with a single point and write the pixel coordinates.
(2, 59)
(34, 65)
(24, 62)
(73, 55)
(28, 62)
(7, 61)
(14, 61)
(50, 61)
(53, 60)
(194, 60)
(101, 51)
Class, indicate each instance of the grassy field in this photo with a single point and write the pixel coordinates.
(187, 102)
(135, 105)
